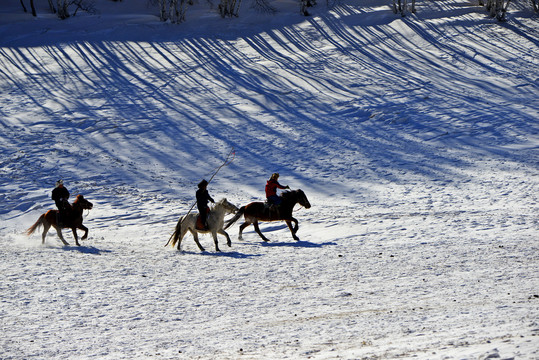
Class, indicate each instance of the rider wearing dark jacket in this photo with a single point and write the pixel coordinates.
(60, 195)
(202, 201)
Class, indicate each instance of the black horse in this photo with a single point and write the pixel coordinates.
(258, 211)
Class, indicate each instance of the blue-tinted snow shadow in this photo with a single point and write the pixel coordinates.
(85, 249)
(376, 122)
(274, 243)
(230, 254)
(299, 244)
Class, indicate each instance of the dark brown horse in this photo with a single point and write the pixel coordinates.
(73, 221)
(258, 211)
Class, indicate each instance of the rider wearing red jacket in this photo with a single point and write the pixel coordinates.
(271, 189)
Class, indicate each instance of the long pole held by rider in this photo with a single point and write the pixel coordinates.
(229, 158)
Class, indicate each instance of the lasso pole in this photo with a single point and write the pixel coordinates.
(229, 158)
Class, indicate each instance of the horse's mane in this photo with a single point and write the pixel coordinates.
(222, 201)
(287, 194)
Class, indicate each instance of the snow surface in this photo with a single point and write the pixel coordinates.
(416, 140)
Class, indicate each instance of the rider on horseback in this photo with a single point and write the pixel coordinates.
(60, 195)
(202, 201)
(271, 191)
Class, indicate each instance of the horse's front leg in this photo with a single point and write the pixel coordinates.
(294, 229)
(74, 229)
(257, 229)
(195, 236)
(85, 229)
(46, 228)
(296, 226)
(228, 241)
(214, 234)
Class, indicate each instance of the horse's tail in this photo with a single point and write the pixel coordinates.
(176, 234)
(235, 218)
(34, 227)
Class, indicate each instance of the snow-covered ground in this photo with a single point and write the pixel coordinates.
(416, 140)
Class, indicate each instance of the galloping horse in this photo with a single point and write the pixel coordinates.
(73, 221)
(215, 220)
(258, 211)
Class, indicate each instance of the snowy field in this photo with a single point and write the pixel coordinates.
(415, 139)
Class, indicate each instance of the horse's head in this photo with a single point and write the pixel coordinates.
(229, 207)
(83, 203)
(302, 199)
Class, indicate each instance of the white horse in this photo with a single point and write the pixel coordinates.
(216, 219)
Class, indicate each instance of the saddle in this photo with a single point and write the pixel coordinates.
(62, 218)
(199, 224)
(272, 209)
(64, 213)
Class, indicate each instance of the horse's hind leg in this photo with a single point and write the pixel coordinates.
(183, 231)
(59, 232)
(257, 229)
(46, 228)
(195, 237)
(243, 226)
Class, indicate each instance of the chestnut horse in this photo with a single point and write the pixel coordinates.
(258, 211)
(73, 221)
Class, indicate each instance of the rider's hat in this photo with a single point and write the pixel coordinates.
(202, 184)
(59, 182)
(274, 176)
